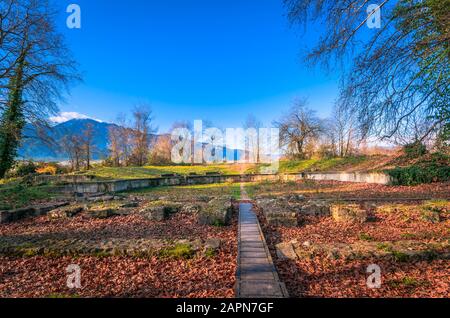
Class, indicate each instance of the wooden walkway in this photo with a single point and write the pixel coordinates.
(256, 274)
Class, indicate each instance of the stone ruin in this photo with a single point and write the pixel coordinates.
(278, 212)
(399, 251)
(287, 210)
(208, 210)
(218, 211)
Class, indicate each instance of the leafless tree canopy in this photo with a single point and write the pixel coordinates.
(79, 148)
(342, 131)
(142, 130)
(299, 130)
(161, 150)
(27, 31)
(393, 74)
(130, 144)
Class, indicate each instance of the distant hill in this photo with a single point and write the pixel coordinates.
(49, 148)
(43, 144)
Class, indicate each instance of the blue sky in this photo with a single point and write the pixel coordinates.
(217, 60)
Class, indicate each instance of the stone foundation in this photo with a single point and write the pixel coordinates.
(23, 213)
(217, 212)
(174, 180)
(278, 212)
(400, 250)
(350, 213)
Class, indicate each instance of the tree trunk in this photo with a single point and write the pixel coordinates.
(12, 122)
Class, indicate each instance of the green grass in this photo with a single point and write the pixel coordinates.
(384, 247)
(436, 206)
(62, 296)
(400, 256)
(19, 196)
(236, 191)
(408, 282)
(286, 166)
(365, 237)
(210, 253)
(408, 236)
(156, 171)
(215, 189)
(332, 164)
(179, 251)
(320, 165)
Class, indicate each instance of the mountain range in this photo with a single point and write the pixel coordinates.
(45, 144)
(47, 148)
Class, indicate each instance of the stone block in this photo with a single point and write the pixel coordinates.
(160, 210)
(155, 213)
(399, 250)
(191, 208)
(129, 205)
(287, 220)
(218, 212)
(278, 213)
(102, 213)
(213, 243)
(4, 217)
(286, 251)
(316, 208)
(348, 213)
(65, 212)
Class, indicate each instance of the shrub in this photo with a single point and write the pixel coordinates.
(415, 149)
(47, 170)
(22, 169)
(415, 175)
(436, 168)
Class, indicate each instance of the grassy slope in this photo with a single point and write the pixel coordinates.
(155, 171)
(17, 196)
(363, 163)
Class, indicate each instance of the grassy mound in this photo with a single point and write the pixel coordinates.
(427, 169)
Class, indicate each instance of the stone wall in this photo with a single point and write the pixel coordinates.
(125, 185)
(63, 178)
(358, 177)
(23, 213)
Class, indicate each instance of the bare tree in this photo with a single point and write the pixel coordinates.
(87, 140)
(28, 33)
(115, 145)
(251, 122)
(125, 139)
(299, 129)
(392, 73)
(35, 69)
(161, 150)
(72, 145)
(142, 130)
(343, 128)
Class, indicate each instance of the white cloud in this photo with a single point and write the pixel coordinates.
(66, 116)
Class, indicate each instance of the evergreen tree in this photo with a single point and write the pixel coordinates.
(12, 122)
